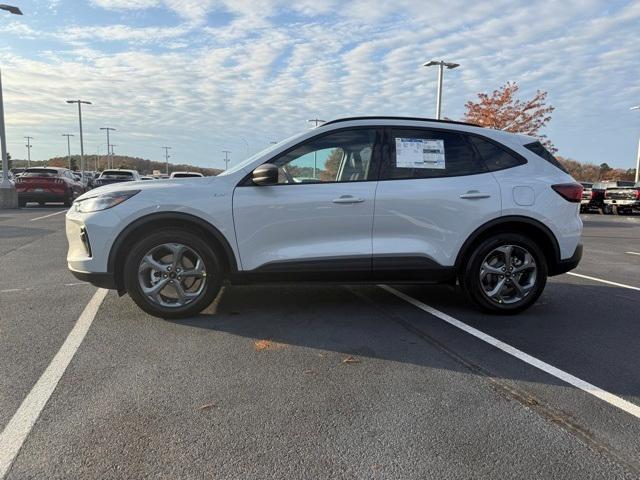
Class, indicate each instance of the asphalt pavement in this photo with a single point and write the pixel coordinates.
(325, 381)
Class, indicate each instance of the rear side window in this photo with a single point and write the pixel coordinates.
(495, 157)
(538, 149)
(430, 154)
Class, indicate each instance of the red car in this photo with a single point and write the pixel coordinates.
(48, 184)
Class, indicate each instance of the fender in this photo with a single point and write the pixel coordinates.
(541, 227)
(168, 217)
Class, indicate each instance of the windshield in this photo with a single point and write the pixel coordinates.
(40, 172)
(116, 174)
(261, 153)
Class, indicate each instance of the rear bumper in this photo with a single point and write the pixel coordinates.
(563, 266)
(46, 196)
(623, 203)
(102, 280)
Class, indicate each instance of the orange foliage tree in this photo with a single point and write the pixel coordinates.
(503, 111)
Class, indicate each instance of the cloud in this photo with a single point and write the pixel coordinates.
(267, 68)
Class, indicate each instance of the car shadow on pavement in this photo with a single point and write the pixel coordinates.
(572, 327)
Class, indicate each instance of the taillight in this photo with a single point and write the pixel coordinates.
(572, 192)
(638, 194)
(593, 194)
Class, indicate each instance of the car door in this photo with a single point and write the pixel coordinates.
(317, 219)
(434, 191)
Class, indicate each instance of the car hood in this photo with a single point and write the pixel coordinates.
(150, 185)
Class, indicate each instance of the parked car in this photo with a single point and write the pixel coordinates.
(47, 184)
(108, 177)
(365, 199)
(147, 177)
(17, 171)
(598, 192)
(585, 202)
(623, 199)
(185, 174)
(9, 175)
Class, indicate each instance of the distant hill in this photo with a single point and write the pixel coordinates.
(144, 166)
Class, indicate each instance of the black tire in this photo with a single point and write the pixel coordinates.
(213, 281)
(68, 199)
(470, 275)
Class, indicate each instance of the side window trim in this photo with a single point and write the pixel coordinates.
(375, 157)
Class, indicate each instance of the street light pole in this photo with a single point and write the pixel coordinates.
(316, 122)
(637, 107)
(80, 102)
(166, 157)
(226, 158)
(110, 151)
(68, 135)
(8, 195)
(108, 129)
(28, 145)
(441, 64)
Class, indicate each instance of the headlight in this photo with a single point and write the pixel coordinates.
(104, 201)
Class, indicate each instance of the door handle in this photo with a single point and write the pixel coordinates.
(348, 199)
(473, 194)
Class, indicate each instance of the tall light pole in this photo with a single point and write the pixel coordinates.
(80, 102)
(68, 147)
(637, 107)
(8, 195)
(28, 145)
(166, 157)
(107, 129)
(316, 122)
(441, 64)
(110, 151)
(226, 158)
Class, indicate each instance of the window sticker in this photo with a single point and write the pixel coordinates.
(420, 153)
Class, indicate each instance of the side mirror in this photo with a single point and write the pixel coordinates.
(265, 174)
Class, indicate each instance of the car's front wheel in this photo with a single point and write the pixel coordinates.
(505, 274)
(172, 274)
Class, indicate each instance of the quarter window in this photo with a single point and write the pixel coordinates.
(344, 156)
(430, 154)
(495, 157)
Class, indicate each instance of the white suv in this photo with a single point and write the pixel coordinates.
(356, 200)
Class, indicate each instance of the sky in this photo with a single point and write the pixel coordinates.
(204, 76)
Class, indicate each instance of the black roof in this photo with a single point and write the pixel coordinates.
(420, 119)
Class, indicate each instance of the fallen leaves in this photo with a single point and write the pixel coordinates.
(261, 345)
(350, 360)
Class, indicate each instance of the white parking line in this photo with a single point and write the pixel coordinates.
(601, 280)
(16, 431)
(611, 399)
(633, 253)
(47, 216)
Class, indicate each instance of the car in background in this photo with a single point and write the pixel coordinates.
(623, 199)
(147, 177)
(598, 191)
(107, 177)
(48, 184)
(586, 197)
(185, 174)
(17, 171)
(9, 174)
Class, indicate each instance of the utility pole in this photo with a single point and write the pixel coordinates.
(110, 149)
(166, 157)
(108, 129)
(637, 107)
(68, 147)
(226, 158)
(80, 102)
(28, 145)
(316, 122)
(441, 64)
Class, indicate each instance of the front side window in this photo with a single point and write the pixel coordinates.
(430, 154)
(344, 156)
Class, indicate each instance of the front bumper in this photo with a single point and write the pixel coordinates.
(102, 280)
(563, 266)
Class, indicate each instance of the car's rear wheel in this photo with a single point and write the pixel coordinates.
(505, 274)
(172, 274)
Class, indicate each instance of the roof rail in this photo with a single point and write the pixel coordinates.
(420, 119)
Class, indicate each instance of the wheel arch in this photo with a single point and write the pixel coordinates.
(144, 225)
(533, 228)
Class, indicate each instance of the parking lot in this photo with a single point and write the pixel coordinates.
(324, 381)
